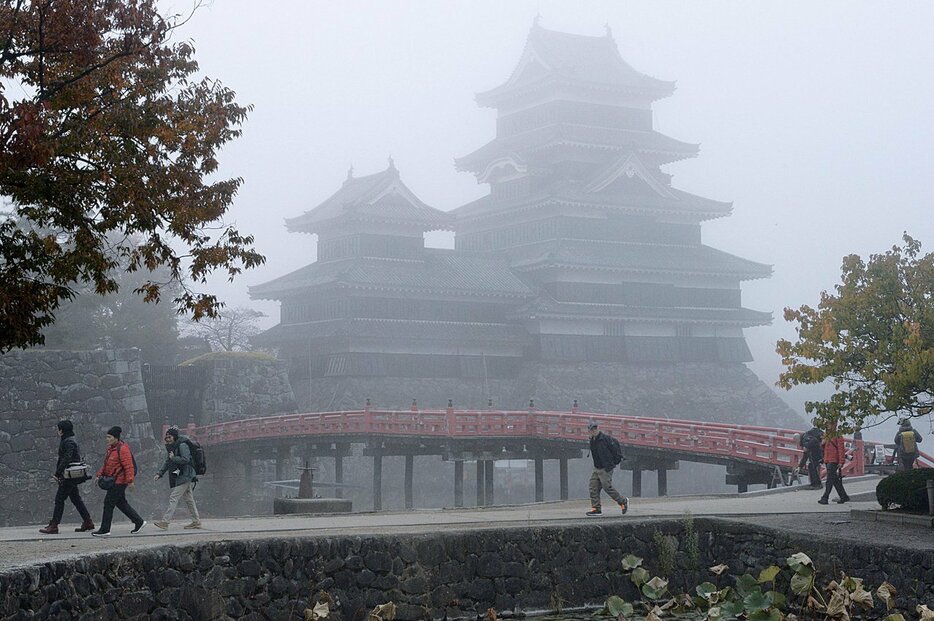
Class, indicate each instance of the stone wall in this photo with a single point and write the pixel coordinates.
(457, 574)
(238, 386)
(95, 390)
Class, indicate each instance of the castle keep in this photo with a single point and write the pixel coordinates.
(581, 275)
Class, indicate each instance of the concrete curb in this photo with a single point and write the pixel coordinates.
(892, 517)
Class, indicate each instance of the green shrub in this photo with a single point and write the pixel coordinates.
(906, 490)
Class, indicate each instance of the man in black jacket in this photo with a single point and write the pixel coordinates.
(604, 460)
(68, 453)
(811, 443)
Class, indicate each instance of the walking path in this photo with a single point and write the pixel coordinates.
(792, 508)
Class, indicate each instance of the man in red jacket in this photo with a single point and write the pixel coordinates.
(834, 458)
(118, 464)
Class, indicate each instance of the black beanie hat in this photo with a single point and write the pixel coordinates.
(115, 431)
(66, 427)
(172, 431)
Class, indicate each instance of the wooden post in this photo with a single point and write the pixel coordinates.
(662, 482)
(539, 479)
(637, 482)
(377, 482)
(338, 471)
(563, 477)
(481, 483)
(409, 470)
(458, 483)
(489, 481)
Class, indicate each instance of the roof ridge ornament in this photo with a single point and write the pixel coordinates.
(349, 174)
(609, 31)
(392, 167)
(536, 20)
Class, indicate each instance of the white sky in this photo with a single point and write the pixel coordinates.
(813, 118)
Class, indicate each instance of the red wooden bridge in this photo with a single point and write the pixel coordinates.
(752, 454)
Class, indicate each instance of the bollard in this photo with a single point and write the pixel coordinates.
(930, 486)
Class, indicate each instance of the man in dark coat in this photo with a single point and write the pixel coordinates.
(601, 450)
(906, 445)
(68, 453)
(811, 444)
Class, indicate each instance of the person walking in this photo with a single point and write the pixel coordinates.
(604, 450)
(834, 458)
(906, 444)
(813, 454)
(182, 480)
(68, 453)
(117, 474)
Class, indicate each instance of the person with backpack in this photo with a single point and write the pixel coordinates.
(606, 454)
(68, 454)
(906, 444)
(116, 475)
(179, 463)
(810, 443)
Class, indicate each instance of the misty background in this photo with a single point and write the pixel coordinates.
(814, 119)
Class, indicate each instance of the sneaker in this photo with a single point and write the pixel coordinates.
(840, 501)
(594, 511)
(138, 528)
(822, 501)
(624, 506)
(193, 525)
(99, 533)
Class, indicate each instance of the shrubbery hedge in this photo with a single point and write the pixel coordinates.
(906, 490)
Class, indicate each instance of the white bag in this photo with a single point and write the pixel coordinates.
(76, 470)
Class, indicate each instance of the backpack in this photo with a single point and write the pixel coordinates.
(615, 450)
(197, 455)
(908, 441)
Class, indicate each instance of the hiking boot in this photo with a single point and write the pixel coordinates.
(138, 528)
(593, 512)
(822, 501)
(100, 533)
(51, 529)
(85, 525)
(160, 524)
(193, 525)
(624, 506)
(840, 501)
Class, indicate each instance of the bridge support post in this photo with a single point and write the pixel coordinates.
(458, 483)
(563, 477)
(539, 479)
(282, 458)
(338, 472)
(377, 482)
(489, 481)
(637, 482)
(662, 482)
(409, 472)
(481, 482)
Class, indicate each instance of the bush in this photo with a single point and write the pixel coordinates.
(906, 490)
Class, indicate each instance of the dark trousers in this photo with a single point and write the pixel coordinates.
(834, 481)
(116, 497)
(69, 489)
(906, 461)
(814, 471)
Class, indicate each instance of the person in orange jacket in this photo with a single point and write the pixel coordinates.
(834, 458)
(118, 464)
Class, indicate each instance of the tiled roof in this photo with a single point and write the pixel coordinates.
(583, 135)
(683, 202)
(441, 271)
(547, 307)
(393, 329)
(381, 197)
(697, 259)
(578, 58)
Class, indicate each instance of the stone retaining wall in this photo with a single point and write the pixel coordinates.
(427, 576)
(95, 390)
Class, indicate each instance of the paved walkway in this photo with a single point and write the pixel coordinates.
(25, 545)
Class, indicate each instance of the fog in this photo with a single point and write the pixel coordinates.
(813, 118)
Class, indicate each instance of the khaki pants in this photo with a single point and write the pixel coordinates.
(602, 480)
(179, 492)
